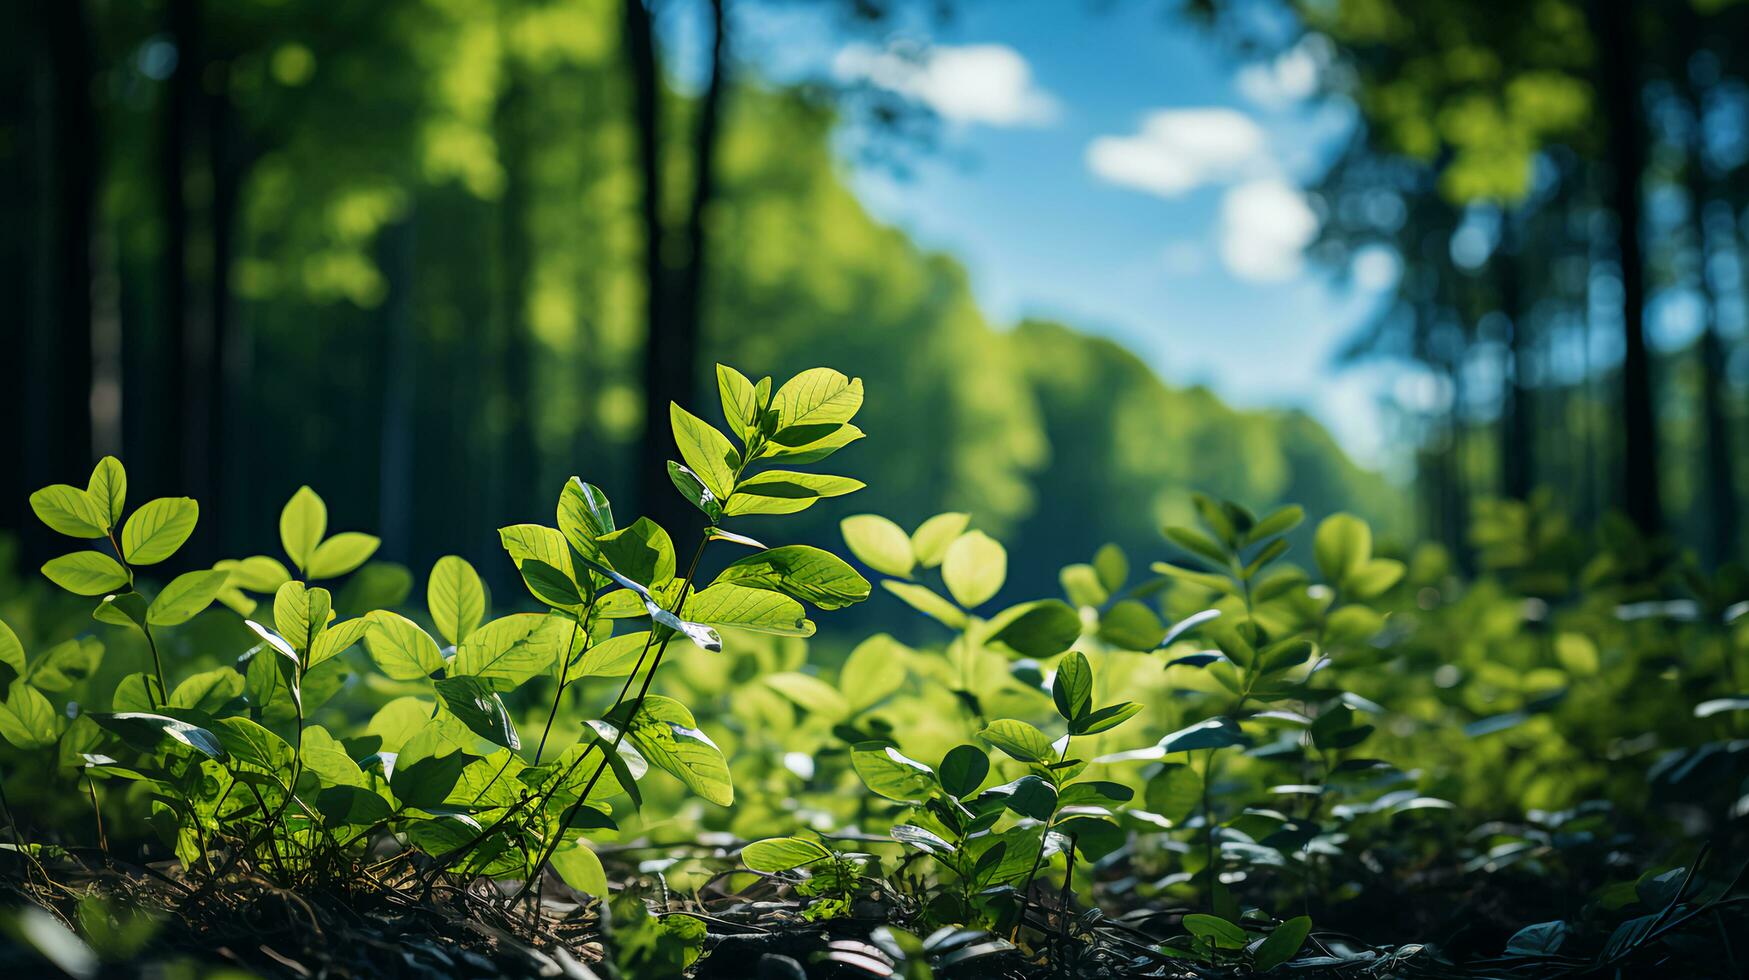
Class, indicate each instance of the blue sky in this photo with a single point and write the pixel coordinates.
(1119, 170)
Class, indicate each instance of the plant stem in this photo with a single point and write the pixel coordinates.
(564, 671)
(152, 644)
(620, 734)
(97, 811)
(1208, 825)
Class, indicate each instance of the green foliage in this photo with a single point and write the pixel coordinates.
(236, 755)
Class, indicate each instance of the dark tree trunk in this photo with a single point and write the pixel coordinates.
(22, 80)
(1625, 148)
(671, 357)
(400, 362)
(519, 469)
(1517, 422)
(57, 360)
(659, 349)
(1718, 539)
(225, 363)
(169, 466)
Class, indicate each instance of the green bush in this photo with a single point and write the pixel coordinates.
(1227, 732)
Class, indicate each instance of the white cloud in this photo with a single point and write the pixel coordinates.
(1177, 150)
(1265, 227)
(975, 83)
(1290, 77)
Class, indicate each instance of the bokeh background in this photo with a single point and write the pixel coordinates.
(434, 256)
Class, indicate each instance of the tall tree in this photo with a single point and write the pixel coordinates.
(675, 262)
(1618, 71)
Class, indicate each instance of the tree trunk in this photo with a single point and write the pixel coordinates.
(518, 473)
(651, 458)
(57, 362)
(1718, 539)
(400, 362)
(671, 358)
(1517, 418)
(169, 469)
(1619, 84)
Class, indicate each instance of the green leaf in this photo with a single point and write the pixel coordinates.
(1040, 629)
(86, 573)
(27, 719)
(1373, 578)
(71, 511)
(1211, 733)
(615, 657)
(642, 552)
(512, 649)
(759, 610)
(875, 669)
(65, 664)
(247, 741)
(185, 596)
(963, 770)
(1081, 584)
(1216, 929)
(456, 597)
(974, 568)
(1341, 545)
(925, 601)
(549, 584)
(1111, 566)
(1020, 740)
(707, 452)
(271, 675)
(809, 692)
(1131, 625)
(1175, 792)
(108, 486)
(776, 854)
(146, 731)
(584, 515)
(888, 773)
(580, 868)
(1278, 522)
(208, 691)
(786, 492)
(337, 638)
(342, 553)
(813, 403)
(156, 530)
(929, 542)
(801, 572)
(303, 522)
(11, 651)
(1282, 944)
(138, 692)
(400, 648)
(1198, 544)
(480, 708)
(121, 609)
(879, 543)
(1072, 688)
(815, 451)
(1105, 719)
(301, 614)
(695, 492)
(1029, 796)
(665, 732)
(740, 399)
(257, 573)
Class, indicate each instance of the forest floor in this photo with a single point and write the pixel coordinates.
(164, 925)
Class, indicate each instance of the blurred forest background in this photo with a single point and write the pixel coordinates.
(434, 256)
